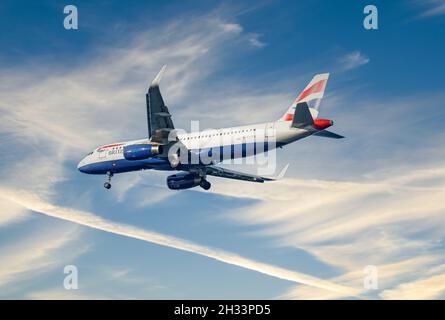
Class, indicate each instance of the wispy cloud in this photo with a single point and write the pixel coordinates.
(232, 27)
(39, 253)
(431, 8)
(61, 294)
(427, 288)
(365, 213)
(49, 114)
(388, 275)
(254, 40)
(10, 213)
(34, 203)
(126, 284)
(52, 115)
(353, 60)
(349, 225)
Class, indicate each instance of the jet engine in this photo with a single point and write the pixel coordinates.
(141, 151)
(186, 180)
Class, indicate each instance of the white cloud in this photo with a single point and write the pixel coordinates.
(38, 253)
(432, 8)
(131, 187)
(368, 199)
(345, 222)
(49, 113)
(426, 288)
(388, 275)
(232, 27)
(126, 285)
(127, 276)
(254, 40)
(34, 203)
(387, 221)
(354, 60)
(62, 294)
(10, 213)
(61, 106)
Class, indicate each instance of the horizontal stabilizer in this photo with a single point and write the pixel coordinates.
(328, 134)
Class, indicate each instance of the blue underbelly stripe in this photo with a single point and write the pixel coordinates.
(122, 165)
(215, 153)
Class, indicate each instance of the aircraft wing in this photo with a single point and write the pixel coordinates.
(231, 174)
(158, 117)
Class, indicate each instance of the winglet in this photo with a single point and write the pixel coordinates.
(282, 172)
(279, 176)
(158, 78)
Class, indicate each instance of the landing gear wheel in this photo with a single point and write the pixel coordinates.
(107, 184)
(205, 185)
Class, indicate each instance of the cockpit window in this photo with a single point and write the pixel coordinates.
(90, 153)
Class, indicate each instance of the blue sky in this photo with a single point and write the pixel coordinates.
(374, 198)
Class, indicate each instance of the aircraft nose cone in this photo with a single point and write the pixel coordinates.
(81, 165)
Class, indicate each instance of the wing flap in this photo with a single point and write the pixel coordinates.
(236, 175)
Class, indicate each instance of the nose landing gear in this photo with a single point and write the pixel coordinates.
(107, 184)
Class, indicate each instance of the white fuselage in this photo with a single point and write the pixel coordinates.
(110, 158)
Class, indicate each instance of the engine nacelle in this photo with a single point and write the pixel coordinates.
(141, 151)
(183, 180)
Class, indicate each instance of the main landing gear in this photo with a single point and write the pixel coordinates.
(203, 181)
(107, 184)
(205, 184)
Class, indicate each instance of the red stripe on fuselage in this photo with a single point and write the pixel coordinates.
(111, 146)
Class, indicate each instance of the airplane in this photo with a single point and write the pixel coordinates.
(195, 156)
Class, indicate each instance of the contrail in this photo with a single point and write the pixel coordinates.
(34, 203)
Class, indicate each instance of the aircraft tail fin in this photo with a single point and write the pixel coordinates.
(312, 95)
